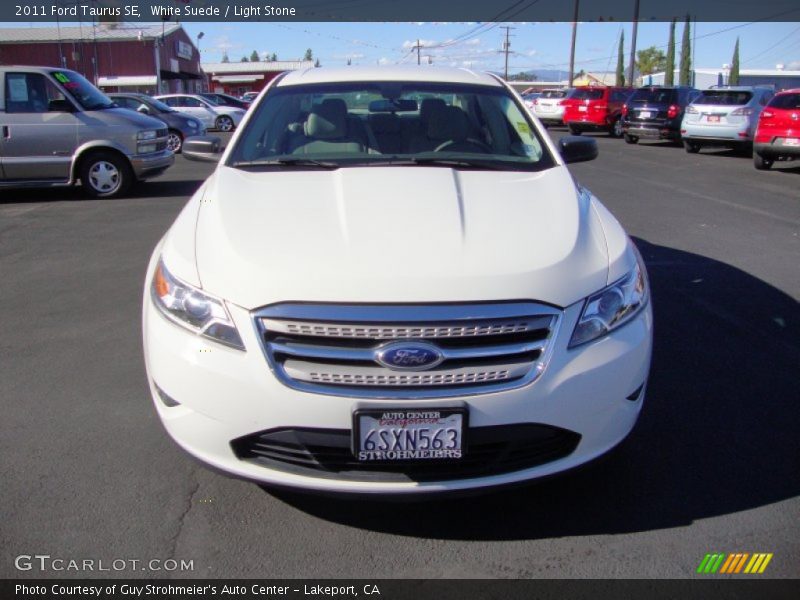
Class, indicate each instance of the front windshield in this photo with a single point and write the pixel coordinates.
(212, 99)
(398, 123)
(83, 92)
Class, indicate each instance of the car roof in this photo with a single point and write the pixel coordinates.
(388, 73)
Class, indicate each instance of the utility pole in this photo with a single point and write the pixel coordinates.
(419, 48)
(572, 49)
(507, 47)
(632, 65)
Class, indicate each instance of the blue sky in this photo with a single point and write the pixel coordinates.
(534, 45)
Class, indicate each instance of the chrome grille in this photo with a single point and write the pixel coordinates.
(331, 349)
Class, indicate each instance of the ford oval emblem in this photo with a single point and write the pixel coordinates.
(409, 356)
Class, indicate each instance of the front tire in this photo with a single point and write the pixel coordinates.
(691, 147)
(225, 123)
(761, 163)
(105, 174)
(174, 141)
(631, 139)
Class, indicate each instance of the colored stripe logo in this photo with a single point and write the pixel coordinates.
(738, 562)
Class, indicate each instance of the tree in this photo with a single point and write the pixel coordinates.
(733, 78)
(274, 57)
(243, 59)
(254, 57)
(649, 60)
(225, 56)
(669, 69)
(621, 60)
(686, 56)
(316, 63)
(309, 55)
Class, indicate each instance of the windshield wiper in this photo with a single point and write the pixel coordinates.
(287, 162)
(456, 163)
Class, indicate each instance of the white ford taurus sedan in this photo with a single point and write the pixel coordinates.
(391, 284)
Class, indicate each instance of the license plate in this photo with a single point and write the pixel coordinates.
(645, 114)
(713, 118)
(791, 141)
(408, 435)
(581, 109)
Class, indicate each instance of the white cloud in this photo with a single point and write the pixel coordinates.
(384, 61)
(408, 44)
(794, 65)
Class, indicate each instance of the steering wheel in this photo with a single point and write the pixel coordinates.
(481, 146)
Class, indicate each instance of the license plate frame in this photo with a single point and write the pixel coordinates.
(381, 455)
(645, 114)
(793, 142)
(713, 118)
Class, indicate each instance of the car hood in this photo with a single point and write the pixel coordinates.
(397, 234)
(122, 117)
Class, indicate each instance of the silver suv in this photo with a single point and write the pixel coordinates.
(724, 116)
(57, 128)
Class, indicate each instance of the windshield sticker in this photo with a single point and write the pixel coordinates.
(17, 89)
(61, 78)
(523, 128)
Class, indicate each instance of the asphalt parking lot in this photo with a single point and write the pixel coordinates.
(713, 466)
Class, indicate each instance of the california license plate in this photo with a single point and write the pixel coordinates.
(713, 118)
(645, 114)
(408, 435)
(791, 141)
(581, 109)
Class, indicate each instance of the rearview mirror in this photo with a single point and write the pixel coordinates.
(574, 149)
(202, 148)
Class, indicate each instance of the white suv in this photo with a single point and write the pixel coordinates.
(392, 284)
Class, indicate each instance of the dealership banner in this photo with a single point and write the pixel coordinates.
(398, 589)
(132, 11)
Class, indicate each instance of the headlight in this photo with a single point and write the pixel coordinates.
(150, 134)
(613, 306)
(197, 311)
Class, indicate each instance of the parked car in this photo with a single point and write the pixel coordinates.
(724, 116)
(213, 116)
(58, 129)
(248, 97)
(656, 112)
(595, 108)
(549, 107)
(225, 100)
(778, 133)
(180, 126)
(302, 330)
(530, 98)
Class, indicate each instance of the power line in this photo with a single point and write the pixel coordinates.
(752, 58)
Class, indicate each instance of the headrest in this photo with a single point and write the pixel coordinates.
(385, 123)
(430, 107)
(327, 120)
(452, 124)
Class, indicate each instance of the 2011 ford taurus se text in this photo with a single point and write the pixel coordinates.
(392, 284)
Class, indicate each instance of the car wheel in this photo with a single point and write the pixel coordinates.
(174, 141)
(574, 130)
(224, 123)
(691, 147)
(631, 139)
(761, 163)
(616, 130)
(105, 174)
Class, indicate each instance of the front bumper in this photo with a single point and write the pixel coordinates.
(150, 165)
(226, 395)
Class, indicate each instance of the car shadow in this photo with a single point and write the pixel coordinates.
(142, 189)
(717, 434)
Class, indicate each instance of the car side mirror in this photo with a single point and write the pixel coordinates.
(575, 148)
(202, 148)
(143, 109)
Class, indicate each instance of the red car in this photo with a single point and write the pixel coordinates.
(595, 108)
(778, 133)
